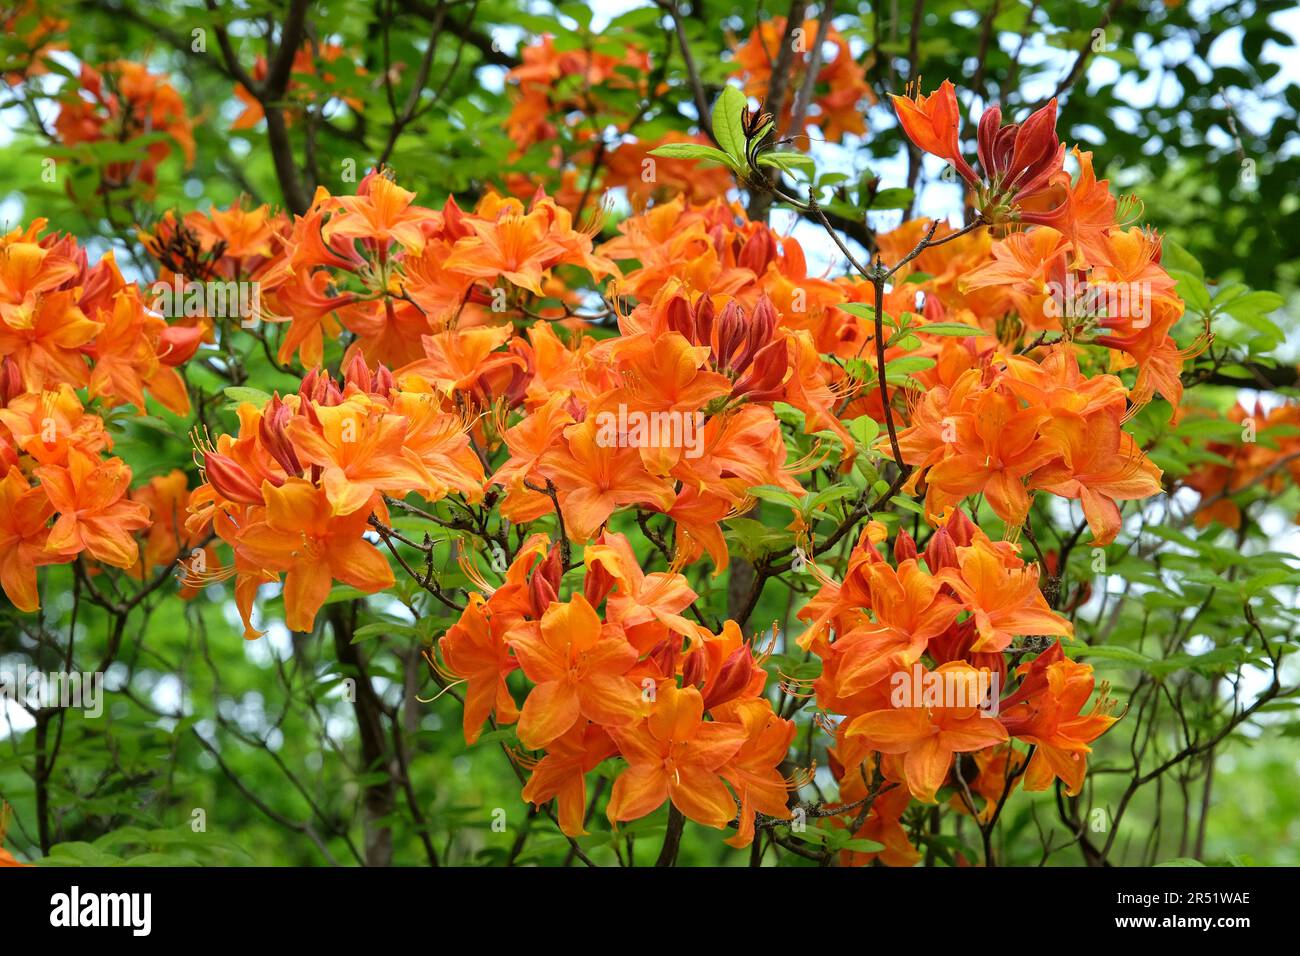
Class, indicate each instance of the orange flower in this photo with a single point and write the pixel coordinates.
(753, 772)
(929, 736)
(674, 754)
(300, 534)
(476, 652)
(562, 773)
(996, 445)
(516, 246)
(578, 666)
(1004, 601)
(359, 447)
(639, 597)
(1099, 465)
(94, 514)
(1047, 710)
(931, 123)
(381, 211)
(24, 514)
(594, 479)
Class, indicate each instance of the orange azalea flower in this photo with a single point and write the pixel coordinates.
(638, 597)
(909, 610)
(931, 123)
(594, 479)
(125, 361)
(1099, 465)
(47, 343)
(516, 246)
(381, 211)
(47, 424)
(135, 103)
(995, 446)
(359, 447)
(437, 440)
(94, 514)
(753, 772)
(929, 736)
(300, 534)
(578, 666)
(1023, 265)
(1047, 710)
(476, 652)
(1085, 216)
(840, 83)
(562, 773)
(310, 309)
(24, 515)
(674, 754)
(1004, 601)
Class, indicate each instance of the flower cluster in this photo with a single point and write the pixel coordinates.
(311, 60)
(487, 368)
(839, 89)
(1266, 457)
(293, 493)
(65, 327)
(938, 624)
(634, 683)
(119, 102)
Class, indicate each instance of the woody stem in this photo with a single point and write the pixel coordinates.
(673, 838)
(878, 276)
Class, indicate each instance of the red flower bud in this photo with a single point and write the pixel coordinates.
(544, 585)
(597, 585)
(230, 480)
(904, 547)
(317, 386)
(11, 380)
(729, 334)
(757, 252)
(178, 343)
(357, 372)
(940, 551)
(765, 379)
(680, 318)
(961, 528)
(694, 669)
(664, 656)
(704, 320)
(733, 677)
(273, 437)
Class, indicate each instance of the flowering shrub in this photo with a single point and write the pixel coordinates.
(573, 458)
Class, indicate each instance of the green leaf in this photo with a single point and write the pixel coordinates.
(778, 496)
(864, 430)
(1174, 256)
(949, 328)
(787, 161)
(693, 151)
(860, 309)
(892, 199)
(242, 393)
(728, 123)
